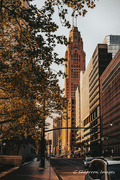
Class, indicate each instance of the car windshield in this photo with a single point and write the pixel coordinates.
(89, 159)
(114, 171)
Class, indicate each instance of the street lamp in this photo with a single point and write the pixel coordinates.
(111, 124)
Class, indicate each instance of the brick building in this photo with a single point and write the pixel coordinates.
(110, 107)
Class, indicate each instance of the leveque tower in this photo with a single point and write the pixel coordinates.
(75, 63)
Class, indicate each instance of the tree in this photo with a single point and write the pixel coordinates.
(28, 86)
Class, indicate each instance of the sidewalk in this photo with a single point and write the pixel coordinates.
(48, 173)
(32, 170)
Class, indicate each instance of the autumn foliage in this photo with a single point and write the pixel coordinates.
(29, 90)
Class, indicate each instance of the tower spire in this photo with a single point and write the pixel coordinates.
(74, 19)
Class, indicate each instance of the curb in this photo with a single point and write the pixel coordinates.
(57, 175)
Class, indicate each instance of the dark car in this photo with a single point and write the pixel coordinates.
(87, 161)
(104, 169)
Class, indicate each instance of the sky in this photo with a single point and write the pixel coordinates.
(99, 22)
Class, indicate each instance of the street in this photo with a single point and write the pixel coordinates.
(68, 169)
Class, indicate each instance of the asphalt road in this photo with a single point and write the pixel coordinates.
(69, 169)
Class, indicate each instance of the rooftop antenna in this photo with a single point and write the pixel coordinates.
(72, 21)
(76, 21)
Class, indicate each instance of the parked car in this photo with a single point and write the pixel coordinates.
(87, 161)
(104, 169)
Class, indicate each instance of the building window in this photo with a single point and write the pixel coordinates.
(94, 114)
(73, 102)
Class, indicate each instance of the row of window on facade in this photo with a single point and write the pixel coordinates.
(92, 116)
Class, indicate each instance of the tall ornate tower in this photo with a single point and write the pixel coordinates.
(75, 63)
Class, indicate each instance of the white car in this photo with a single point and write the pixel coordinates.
(87, 161)
(104, 169)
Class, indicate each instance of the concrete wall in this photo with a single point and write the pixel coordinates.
(11, 160)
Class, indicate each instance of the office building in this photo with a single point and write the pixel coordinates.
(91, 114)
(113, 42)
(57, 123)
(100, 59)
(83, 133)
(90, 117)
(110, 107)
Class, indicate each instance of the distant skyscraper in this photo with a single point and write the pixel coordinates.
(75, 63)
(57, 123)
(113, 42)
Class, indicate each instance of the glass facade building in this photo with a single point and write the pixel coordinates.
(113, 42)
